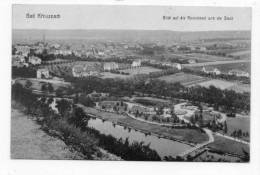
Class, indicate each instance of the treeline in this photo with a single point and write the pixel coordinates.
(71, 125)
(244, 80)
(227, 100)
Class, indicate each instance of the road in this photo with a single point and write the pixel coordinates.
(214, 63)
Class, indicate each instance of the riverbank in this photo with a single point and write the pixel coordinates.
(187, 136)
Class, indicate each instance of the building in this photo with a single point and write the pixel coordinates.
(22, 50)
(43, 73)
(211, 70)
(238, 73)
(110, 66)
(136, 63)
(19, 61)
(177, 65)
(34, 60)
(203, 49)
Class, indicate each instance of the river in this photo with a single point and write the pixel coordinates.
(164, 147)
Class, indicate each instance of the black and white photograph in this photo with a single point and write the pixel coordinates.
(130, 83)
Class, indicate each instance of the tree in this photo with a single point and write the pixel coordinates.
(63, 106)
(59, 92)
(28, 84)
(44, 88)
(50, 88)
(225, 127)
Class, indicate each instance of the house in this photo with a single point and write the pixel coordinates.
(211, 70)
(18, 58)
(22, 50)
(177, 65)
(19, 61)
(238, 73)
(43, 73)
(34, 60)
(136, 63)
(78, 71)
(110, 66)
(203, 49)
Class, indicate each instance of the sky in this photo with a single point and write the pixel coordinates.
(131, 17)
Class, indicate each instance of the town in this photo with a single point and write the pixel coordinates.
(144, 98)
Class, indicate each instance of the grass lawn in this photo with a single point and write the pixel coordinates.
(242, 123)
(226, 85)
(229, 146)
(183, 78)
(241, 88)
(217, 83)
(141, 70)
(225, 68)
(206, 58)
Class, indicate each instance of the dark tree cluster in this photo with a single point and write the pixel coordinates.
(227, 100)
(26, 72)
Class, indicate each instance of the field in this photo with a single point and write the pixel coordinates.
(132, 72)
(241, 88)
(230, 146)
(141, 70)
(114, 75)
(225, 68)
(245, 54)
(237, 123)
(183, 78)
(246, 66)
(211, 156)
(217, 83)
(225, 85)
(206, 58)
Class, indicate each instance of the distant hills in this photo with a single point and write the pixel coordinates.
(132, 35)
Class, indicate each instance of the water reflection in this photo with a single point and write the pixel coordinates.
(164, 147)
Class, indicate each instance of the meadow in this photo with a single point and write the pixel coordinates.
(184, 78)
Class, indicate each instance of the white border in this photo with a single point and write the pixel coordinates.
(39, 167)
